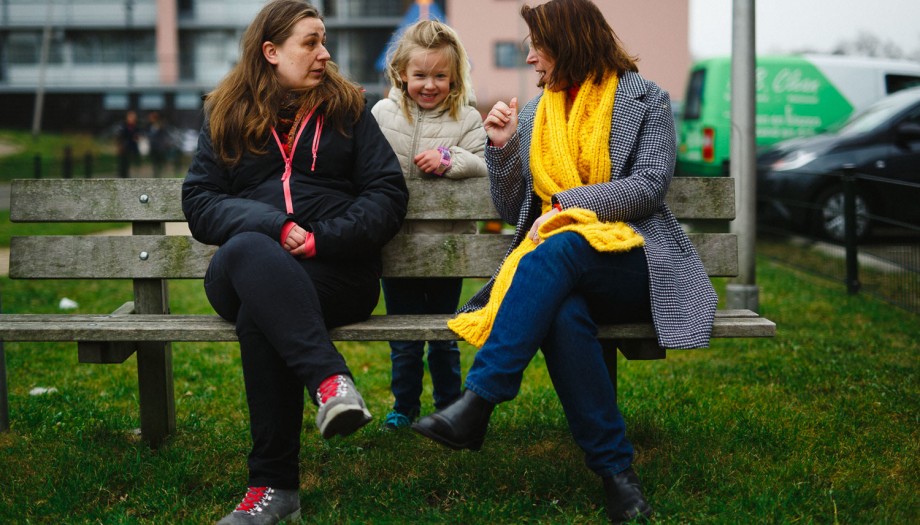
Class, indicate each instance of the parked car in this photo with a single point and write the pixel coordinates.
(796, 96)
(799, 180)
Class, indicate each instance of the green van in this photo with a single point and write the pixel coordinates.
(796, 96)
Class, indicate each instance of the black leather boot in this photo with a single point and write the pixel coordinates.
(624, 499)
(461, 424)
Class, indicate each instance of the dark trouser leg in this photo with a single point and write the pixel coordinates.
(414, 297)
(282, 306)
(275, 398)
(444, 356)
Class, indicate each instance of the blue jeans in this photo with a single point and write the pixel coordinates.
(423, 296)
(282, 306)
(559, 292)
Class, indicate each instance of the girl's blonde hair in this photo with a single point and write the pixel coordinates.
(244, 106)
(432, 35)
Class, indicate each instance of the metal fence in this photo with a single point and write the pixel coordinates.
(856, 228)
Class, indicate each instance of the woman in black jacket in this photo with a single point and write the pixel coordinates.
(295, 183)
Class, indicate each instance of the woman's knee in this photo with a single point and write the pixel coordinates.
(248, 243)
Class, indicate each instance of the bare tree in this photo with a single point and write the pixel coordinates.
(868, 45)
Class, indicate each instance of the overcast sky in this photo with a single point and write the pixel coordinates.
(791, 25)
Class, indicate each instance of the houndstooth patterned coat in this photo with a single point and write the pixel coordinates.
(642, 155)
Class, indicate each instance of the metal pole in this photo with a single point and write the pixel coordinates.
(129, 41)
(849, 228)
(742, 292)
(42, 67)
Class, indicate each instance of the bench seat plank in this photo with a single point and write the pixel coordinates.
(201, 328)
(182, 257)
(160, 200)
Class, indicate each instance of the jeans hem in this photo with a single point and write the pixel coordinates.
(483, 393)
(612, 471)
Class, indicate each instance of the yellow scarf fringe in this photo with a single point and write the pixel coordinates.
(565, 153)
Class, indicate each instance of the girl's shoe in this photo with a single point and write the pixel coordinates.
(395, 421)
(265, 506)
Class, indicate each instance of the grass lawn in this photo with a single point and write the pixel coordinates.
(819, 425)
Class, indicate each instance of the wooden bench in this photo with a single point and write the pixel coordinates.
(145, 326)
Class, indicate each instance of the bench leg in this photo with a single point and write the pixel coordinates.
(4, 395)
(155, 384)
(610, 359)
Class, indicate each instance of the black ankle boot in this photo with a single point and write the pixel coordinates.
(624, 499)
(461, 424)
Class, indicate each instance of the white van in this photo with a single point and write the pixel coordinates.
(796, 96)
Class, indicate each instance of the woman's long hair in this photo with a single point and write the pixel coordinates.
(575, 35)
(244, 106)
(432, 35)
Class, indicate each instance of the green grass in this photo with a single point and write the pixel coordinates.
(19, 148)
(819, 425)
(9, 229)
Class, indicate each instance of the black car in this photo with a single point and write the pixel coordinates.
(799, 181)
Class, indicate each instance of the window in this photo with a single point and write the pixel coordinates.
(188, 100)
(510, 55)
(151, 101)
(693, 101)
(26, 47)
(115, 101)
(898, 82)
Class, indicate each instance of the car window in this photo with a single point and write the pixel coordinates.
(694, 99)
(898, 82)
(880, 112)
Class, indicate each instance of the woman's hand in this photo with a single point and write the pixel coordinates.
(501, 122)
(295, 240)
(532, 234)
(428, 161)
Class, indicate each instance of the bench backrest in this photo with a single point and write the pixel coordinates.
(148, 204)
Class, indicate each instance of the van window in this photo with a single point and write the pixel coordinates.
(693, 102)
(898, 82)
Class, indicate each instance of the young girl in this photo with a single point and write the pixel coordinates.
(430, 120)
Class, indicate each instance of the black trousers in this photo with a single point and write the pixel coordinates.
(283, 307)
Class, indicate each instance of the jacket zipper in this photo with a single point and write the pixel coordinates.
(289, 157)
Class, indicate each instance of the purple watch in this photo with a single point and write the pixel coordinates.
(445, 161)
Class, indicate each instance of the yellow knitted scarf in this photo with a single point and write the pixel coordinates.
(565, 153)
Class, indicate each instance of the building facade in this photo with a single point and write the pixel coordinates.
(89, 61)
(656, 31)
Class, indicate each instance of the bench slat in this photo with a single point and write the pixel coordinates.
(159, 200)
(203, 328)
(182, 257)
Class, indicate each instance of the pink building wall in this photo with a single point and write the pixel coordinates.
(167, 42)
(657, 31)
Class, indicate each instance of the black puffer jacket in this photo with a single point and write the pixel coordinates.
(353, 199)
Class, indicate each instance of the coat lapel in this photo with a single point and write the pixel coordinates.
(628, 115)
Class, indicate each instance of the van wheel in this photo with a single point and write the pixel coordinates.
(829, 219)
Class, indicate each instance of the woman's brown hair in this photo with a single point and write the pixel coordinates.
(244, 106)
(575, 35)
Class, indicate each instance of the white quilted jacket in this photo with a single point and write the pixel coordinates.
(465, 137)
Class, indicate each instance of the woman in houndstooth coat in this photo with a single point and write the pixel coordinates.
(582, 173)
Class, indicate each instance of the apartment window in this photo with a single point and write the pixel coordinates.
(187, 100)
(99, 47)
(112, 101)
(510, 55)
(151, 101)
(26, 47)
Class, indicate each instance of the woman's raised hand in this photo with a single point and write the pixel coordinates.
(501, 122)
